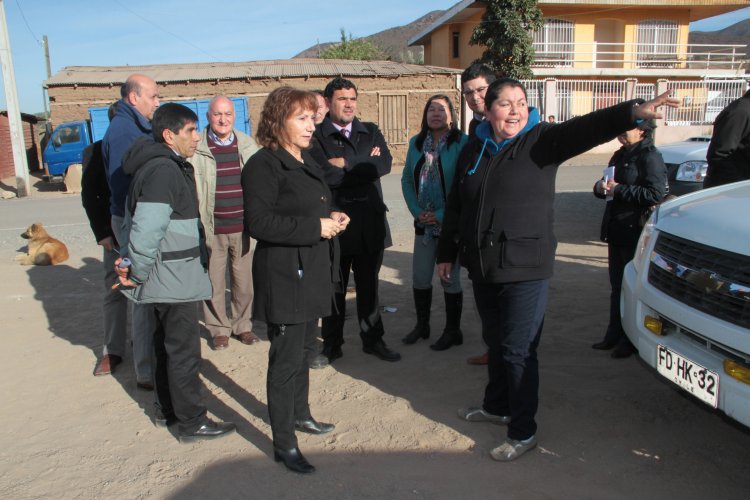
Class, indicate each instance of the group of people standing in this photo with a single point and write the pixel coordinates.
(174, 209)
(296, 212)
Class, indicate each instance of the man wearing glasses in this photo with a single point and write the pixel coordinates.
(474, 82)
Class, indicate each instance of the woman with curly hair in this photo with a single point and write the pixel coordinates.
(288, 211)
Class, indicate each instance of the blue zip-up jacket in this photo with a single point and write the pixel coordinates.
(126, 126)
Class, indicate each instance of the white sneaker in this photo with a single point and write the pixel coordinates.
(477, 414)
(512, 449)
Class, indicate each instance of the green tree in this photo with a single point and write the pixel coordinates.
(505, 31)
(357, 49)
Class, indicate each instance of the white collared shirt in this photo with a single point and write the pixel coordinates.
(220, 142)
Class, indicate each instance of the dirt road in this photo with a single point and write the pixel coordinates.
(607, 428)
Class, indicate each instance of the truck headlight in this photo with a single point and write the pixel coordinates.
(692, 171)
(649, 230)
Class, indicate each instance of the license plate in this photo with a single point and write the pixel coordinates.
(695, 379)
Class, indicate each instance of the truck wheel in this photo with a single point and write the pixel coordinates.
(72, 179)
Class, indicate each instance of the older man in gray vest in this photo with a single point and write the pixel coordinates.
(218, 162)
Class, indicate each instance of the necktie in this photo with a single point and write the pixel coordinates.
(345, 132)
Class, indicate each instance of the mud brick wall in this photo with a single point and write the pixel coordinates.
(73, 102)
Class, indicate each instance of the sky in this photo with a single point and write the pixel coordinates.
(120, 32)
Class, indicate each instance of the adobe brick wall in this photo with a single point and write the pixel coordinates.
(72, 103)
(7, 167)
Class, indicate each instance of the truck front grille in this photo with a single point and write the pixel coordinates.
(711, 280)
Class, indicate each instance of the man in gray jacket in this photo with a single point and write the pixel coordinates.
(167, 266)
(218, 161)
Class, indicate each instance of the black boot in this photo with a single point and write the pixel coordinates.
(454, 303)
(422, 302)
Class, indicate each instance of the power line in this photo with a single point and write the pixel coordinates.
(167, 31)
(27, 23)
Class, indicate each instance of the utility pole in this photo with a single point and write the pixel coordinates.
(14, 113)
(45, 43)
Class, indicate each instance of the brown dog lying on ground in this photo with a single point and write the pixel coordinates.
(44, 250)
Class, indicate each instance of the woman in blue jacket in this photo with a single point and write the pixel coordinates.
(426, 179)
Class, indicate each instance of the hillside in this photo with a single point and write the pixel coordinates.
(393, 41)
(736, 34)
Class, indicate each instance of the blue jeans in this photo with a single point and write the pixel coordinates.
(512, 318)
(423, 267)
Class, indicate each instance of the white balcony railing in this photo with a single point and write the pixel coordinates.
(620, 55)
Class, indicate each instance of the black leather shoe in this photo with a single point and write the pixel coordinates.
(449, 338)
(293, 460)
(380, 350)
(311, 426)
(604, 345)
(319, 361)
(421, 331)
(332, 352)
(209, 430)
(162, 420)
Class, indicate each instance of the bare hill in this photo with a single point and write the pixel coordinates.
(736, 34)
(392, 41)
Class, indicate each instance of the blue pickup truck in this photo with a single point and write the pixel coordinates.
(68, 140)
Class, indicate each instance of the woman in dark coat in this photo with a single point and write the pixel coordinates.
(639, 182)
(288, 211)
(499, 219)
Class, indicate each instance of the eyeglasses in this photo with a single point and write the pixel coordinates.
(479, 91)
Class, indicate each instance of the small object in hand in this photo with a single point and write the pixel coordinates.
(390, 309)
(124, 264)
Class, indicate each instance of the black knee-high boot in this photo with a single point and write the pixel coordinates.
(454, 303)
(422, 302)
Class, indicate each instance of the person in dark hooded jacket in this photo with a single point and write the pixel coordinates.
(728, 153)
(640, 182)
(499, 220)
(163, 240)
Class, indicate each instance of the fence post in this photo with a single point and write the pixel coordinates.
(662, 86)
(630, 84)
(550, 99)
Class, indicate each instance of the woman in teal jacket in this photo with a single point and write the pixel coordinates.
(425, 182)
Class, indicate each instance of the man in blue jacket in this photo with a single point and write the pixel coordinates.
(140, 98)
(163, 238)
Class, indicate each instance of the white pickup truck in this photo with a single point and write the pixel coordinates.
(685, 300)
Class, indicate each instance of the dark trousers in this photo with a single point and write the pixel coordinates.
(366, 269)
(512, 318)
(176, 364)
(619, 256)
(288, 379)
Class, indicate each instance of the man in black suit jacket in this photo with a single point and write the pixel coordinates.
(354, 155)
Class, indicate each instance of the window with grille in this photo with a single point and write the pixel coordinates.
(645, 91)
(553, 43)
(535, 94)
(656, 43)
(392, 118)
